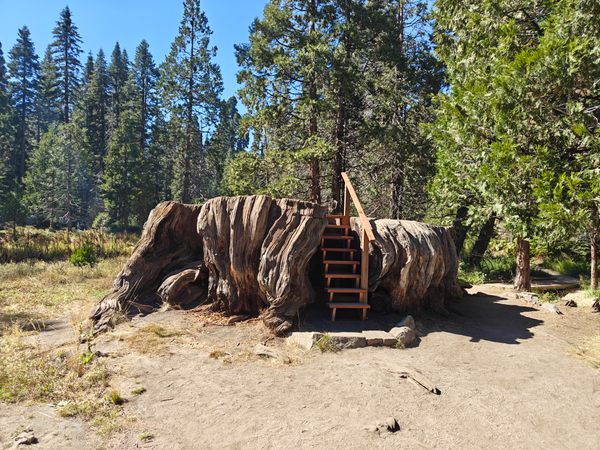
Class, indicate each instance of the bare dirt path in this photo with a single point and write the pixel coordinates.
(508, 374)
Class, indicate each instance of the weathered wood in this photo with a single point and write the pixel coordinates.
(244, 255)
(169, 243)
(412, 265)
(251, 256)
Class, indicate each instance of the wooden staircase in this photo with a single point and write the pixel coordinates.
(346, 276)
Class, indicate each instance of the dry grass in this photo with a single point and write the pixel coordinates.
(51, 245)
(79, 385)
(153, 339)
(589, 350)
(31, 293)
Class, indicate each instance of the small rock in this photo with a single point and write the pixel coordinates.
(377, 337)
(571, 303)
(262, 350)
(409, 322)
(389, 425)
(26, 437)
(348, 340)
(529, 297)
(304, 339)
(404, 335)
(551, 307)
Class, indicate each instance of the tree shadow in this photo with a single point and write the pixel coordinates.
(480, 317)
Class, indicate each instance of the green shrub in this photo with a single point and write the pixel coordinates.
(84, 256)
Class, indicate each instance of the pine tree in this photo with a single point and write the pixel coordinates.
(48, 106)
(224, 145)
(123, 174)
(190, 87)
(10, 204)
(59, 176)
(99, 99)
(65, 51)
(24, 71)
(118, 72)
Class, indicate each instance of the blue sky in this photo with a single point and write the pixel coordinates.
(103, 22)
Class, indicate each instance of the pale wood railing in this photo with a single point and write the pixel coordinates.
(367, 232)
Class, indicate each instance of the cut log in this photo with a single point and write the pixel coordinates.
(411, 265)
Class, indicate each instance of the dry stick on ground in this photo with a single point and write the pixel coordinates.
(418, 379)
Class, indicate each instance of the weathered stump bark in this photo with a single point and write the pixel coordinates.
(169, 244)
(244, 255)
(251, 255)
(411, 265)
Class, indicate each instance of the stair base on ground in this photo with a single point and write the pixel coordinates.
(334, 306)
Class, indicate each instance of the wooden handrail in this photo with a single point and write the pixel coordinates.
(367, 233)
(364, 220)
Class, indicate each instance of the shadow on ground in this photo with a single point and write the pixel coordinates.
(480, 317)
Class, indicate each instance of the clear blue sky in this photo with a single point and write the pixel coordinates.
(103, 22)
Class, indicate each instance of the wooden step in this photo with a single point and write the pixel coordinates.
(334, 216)
(338, 227)
(341, 250)
(337, 236)
(341, 305)
(334, 262)
(333, 290)
(334, 306)
(355, 276)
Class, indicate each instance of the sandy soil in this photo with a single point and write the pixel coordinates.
(508, 374)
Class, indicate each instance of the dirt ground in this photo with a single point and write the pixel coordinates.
(510, 377)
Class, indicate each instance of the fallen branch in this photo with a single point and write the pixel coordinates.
(418, 379)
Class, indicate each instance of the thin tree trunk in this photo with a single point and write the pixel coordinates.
(594, 260)
(483, 241)
(315, 172)
(523, 276)
(338, 161)
(459, 229)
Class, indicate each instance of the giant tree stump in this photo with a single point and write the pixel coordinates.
(252, 255)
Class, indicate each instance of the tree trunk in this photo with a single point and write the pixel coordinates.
(594, 260)
(397, 192)
(459, 229)
(315, 175)
(411, 265)
(483, 240)
(523, 276)
(338, 161)
(253, 255)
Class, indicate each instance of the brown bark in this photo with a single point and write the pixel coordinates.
(459, 230)
(252, 255)
(594, 260)
(169, 242)
(483, 240)
(523, 275)
(244, 255)
(411, 265)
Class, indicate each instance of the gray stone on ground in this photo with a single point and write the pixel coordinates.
(551, 307)
(529, 297)
(379, 338)
(348, 340)
(26, 437)
(304, 339)
(389, 425)
(404, 335)
(409, 322)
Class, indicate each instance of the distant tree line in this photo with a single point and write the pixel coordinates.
(86, 141)
(469, 113)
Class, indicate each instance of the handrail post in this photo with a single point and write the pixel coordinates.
(347, 205)
(364, 267)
